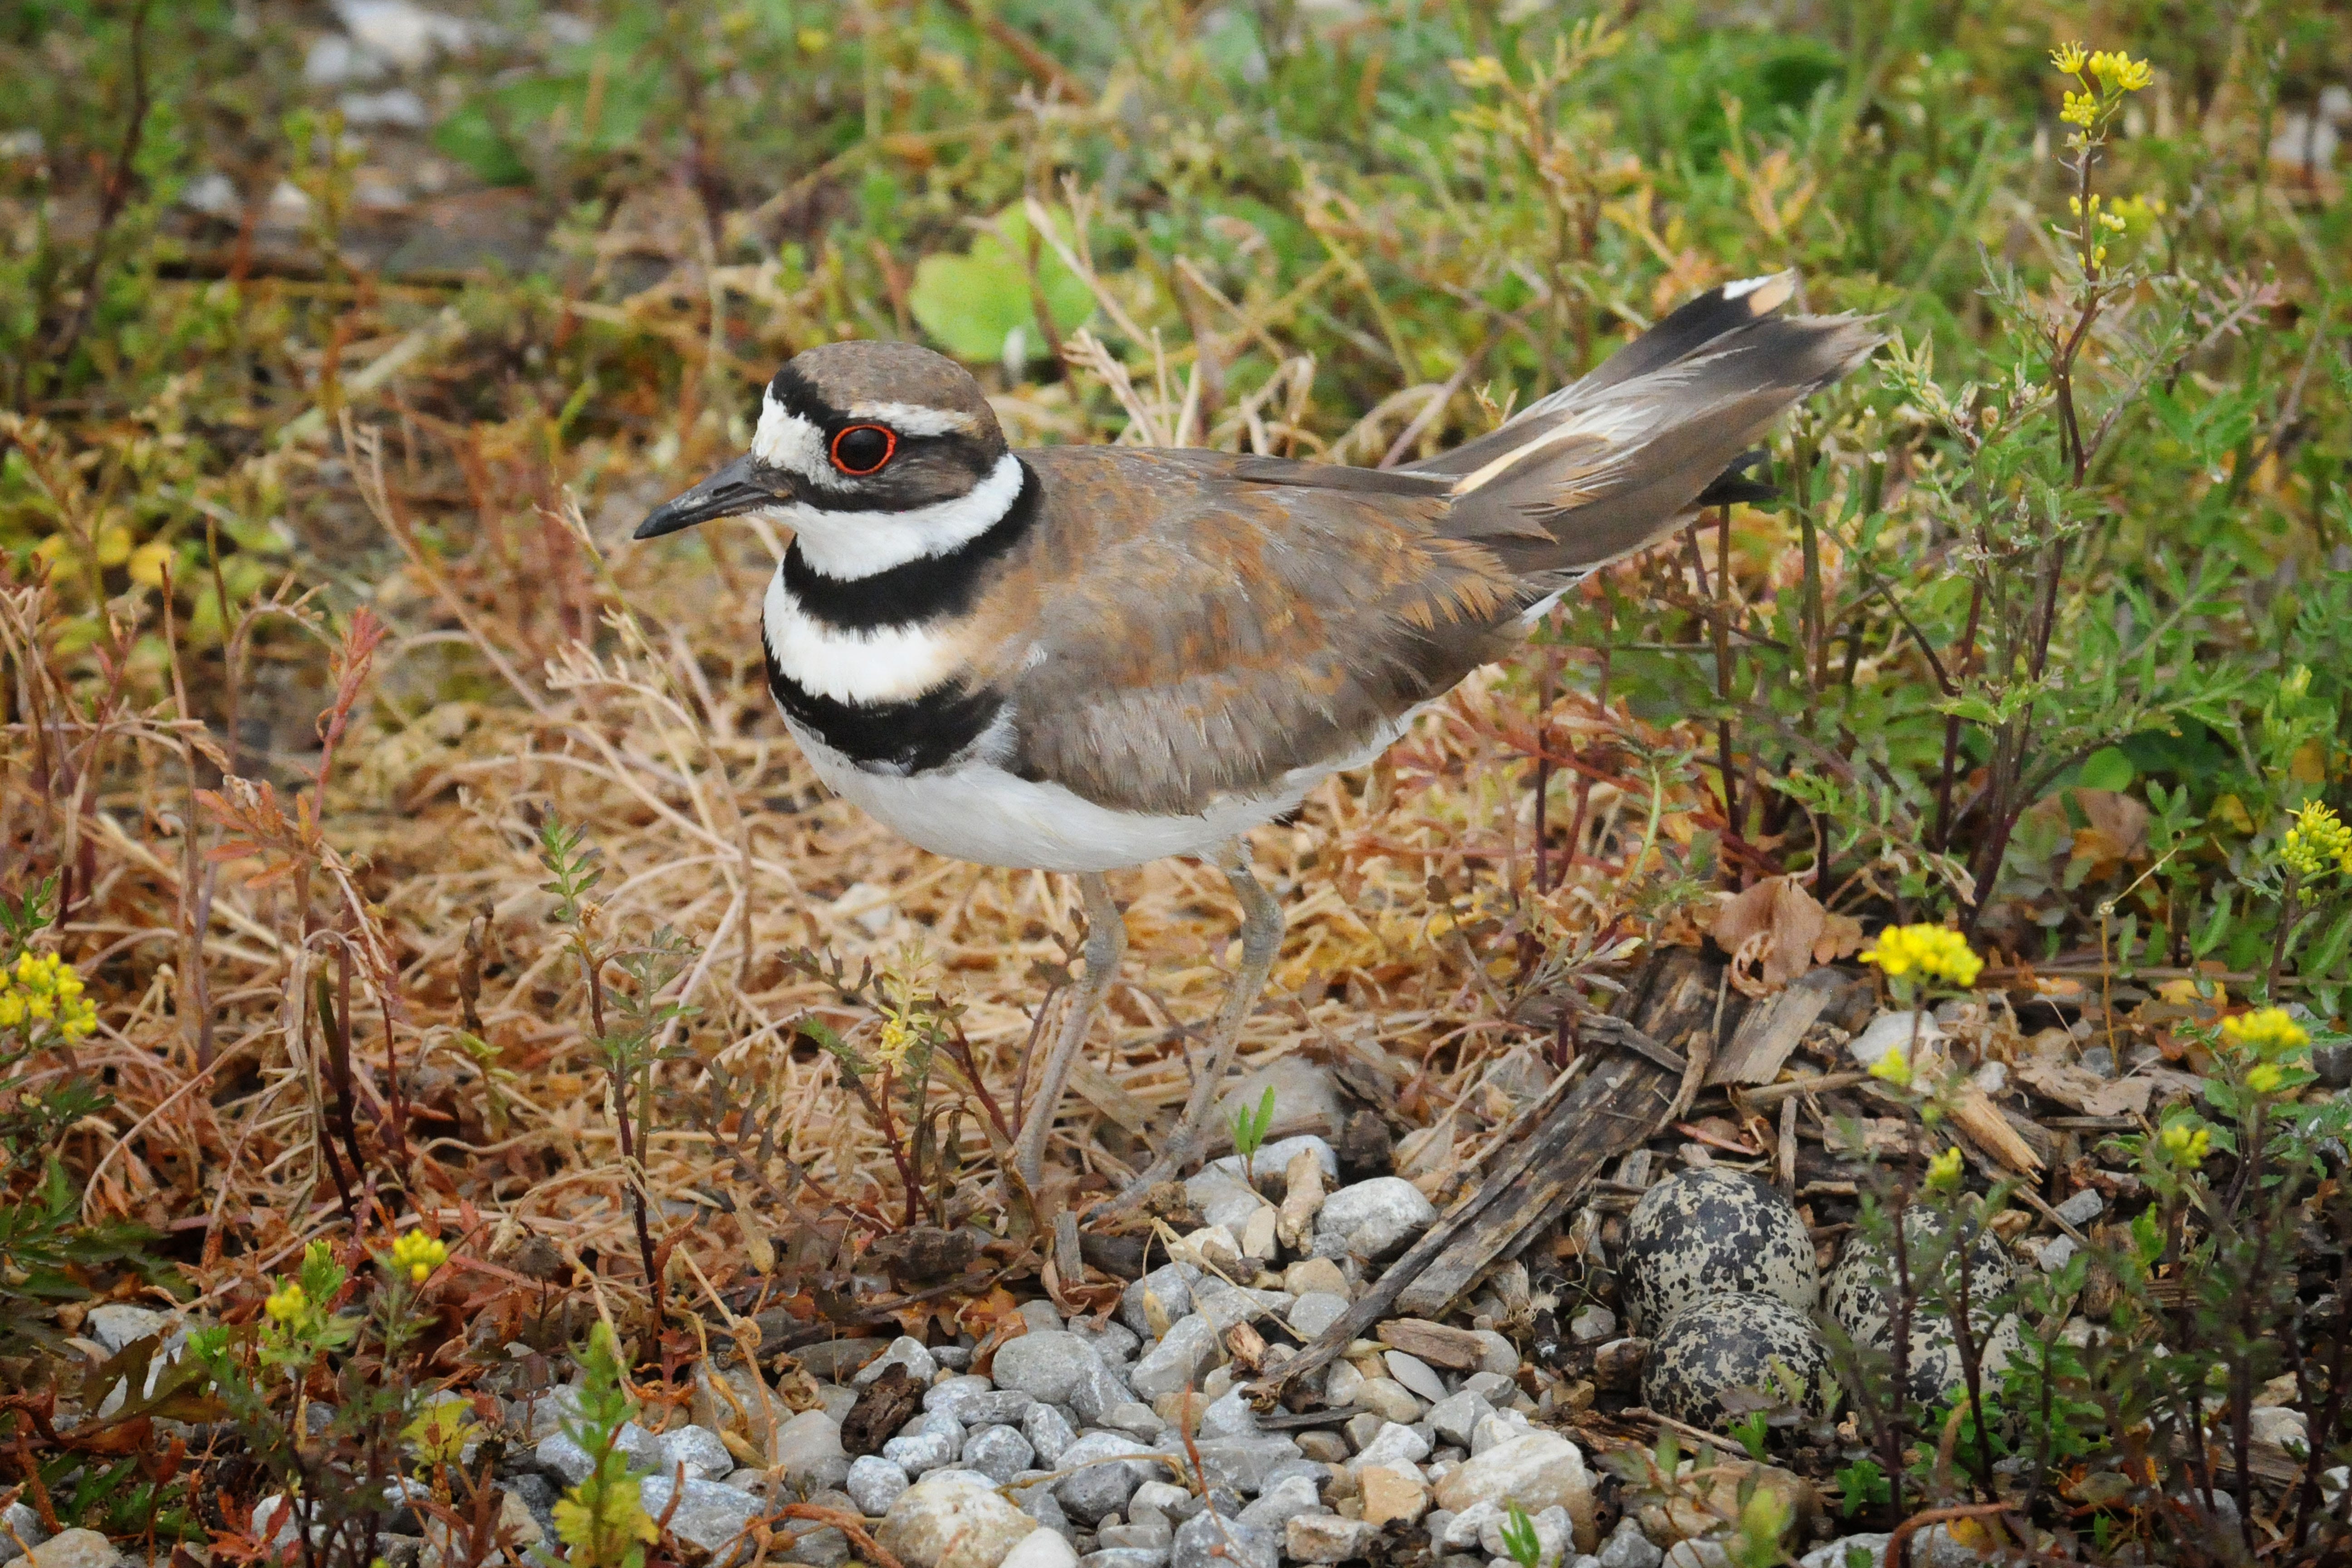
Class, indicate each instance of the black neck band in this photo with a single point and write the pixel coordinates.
(930, 588)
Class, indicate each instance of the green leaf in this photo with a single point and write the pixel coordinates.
(973, 303)
(2107, 768)
(2324, 959)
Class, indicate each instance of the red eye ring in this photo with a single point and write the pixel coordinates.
(852, 465)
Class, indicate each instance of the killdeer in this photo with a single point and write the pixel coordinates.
(1080, 658)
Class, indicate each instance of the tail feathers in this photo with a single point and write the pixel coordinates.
(1607, 465)
(1734, 485)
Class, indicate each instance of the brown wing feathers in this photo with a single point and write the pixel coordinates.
(1191, 623)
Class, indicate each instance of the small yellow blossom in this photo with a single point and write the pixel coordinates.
(287, 1303)
(2268, 1031)
(2187, 1146)
(42, 988)
(2318, 843)
(1894, 1066)
(2118, 72)
(1483, 70)
(2069, 59)
(2081, 108)
(1944, 1170)
(2266, 1078)
(897, 1042)
(1938, 953)
(418, 1255)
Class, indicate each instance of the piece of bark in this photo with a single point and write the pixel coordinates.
(1762, 1044)
(1577, 1134)
(1618, 1364)
(1122, 1256)
(1433, 1342)
(1677, 1001)
(1982, 1121)
(925, 1254)
(880, 1412)
(1365, 1148)
(1302, 1199)
(1548, 1157)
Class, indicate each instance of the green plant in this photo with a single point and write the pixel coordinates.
(1860, 1485)
(626, 1022)
(603, 1519)
(1751, 1432)
(890, 1076)
(1249, 1127)
(1764, 1518)
(326, 1389)
(1520, 1543)
(47, 1254)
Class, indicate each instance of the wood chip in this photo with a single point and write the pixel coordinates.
(1761, 1046)
(1982, 1120)
(1433, 1342)
(1302, 1199)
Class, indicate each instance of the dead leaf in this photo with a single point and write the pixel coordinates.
(1772, 931)
(2071, 1083)
(2120, 821)
(1840, 935)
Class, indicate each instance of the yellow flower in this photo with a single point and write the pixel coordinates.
(2187, 1146)
(1944, 1170)
(2318, 843)
(1938, 953)
(418, 1255)
(2269, 1031)
(897, 1042)
(287, 1303)
(2118, 72)
(2266, 1078)
(1894, 1066)
(2082, 108)
(2068, 59)
(42, 988)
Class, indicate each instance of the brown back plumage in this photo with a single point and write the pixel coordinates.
(1185, 624)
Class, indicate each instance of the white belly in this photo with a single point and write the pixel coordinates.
(980, 812)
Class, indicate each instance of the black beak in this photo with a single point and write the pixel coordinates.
(731, 492)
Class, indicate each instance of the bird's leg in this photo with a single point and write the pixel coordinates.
(1261, 941)
(1106, 940)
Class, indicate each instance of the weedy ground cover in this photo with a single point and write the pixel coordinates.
(396, 859)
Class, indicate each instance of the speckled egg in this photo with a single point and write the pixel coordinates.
(1709, 1348)
(1704, 1232)
(1860, 1297)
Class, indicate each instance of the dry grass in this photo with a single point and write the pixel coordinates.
(656, 733)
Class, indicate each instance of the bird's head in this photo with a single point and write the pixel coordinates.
(873, 452)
